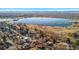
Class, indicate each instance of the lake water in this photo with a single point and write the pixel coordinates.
(45, 21)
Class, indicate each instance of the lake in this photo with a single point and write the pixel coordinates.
(45, 21)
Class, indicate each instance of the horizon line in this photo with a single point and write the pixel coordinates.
(39, 9)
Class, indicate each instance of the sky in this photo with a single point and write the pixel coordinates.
(39, 9)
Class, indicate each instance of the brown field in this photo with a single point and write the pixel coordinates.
(58, 37)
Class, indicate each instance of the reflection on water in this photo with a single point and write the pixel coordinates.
(45, 21)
